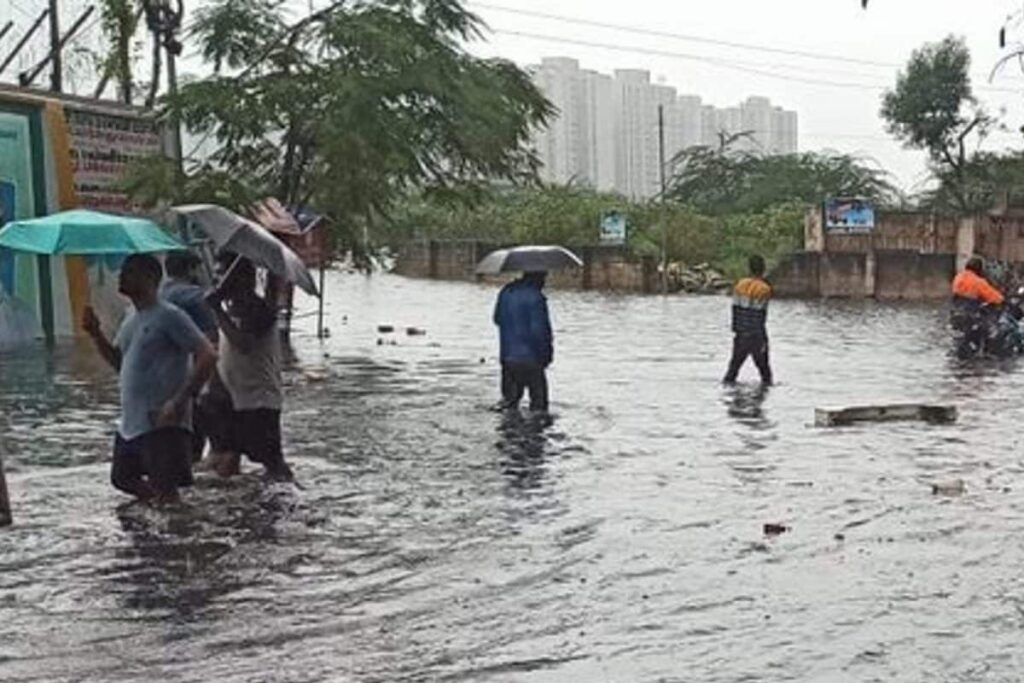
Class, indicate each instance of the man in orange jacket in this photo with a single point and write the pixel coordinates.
(970, 291)
(971, 284)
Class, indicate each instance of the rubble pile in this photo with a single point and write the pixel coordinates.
(699, 279)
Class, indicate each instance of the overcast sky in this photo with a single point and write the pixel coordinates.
(827, 59)
(837, 99)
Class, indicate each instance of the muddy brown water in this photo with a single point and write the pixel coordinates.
(433, 539)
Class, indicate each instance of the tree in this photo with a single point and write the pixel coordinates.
(986, 181)
(571, 216)
(356, 105)
(720, 181)
(933, 108)
(119, 22)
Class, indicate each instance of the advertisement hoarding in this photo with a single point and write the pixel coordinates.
(848, 215)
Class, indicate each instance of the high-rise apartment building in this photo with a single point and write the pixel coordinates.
(578, 143)
(605, 131)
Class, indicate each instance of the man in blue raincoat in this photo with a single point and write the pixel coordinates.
(521, 315)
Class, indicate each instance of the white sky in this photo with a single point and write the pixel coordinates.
(838, 110)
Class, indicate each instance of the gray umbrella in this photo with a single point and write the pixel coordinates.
(231, 232)
(528, 259)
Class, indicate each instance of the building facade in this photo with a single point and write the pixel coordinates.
(605, 132)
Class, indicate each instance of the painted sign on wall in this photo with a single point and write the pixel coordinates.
(102, 147)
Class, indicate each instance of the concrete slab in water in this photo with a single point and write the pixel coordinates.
(838, 417)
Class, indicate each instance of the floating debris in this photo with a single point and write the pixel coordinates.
(954, 487)
(840, 417)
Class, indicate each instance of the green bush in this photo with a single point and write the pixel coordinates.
(571, 217)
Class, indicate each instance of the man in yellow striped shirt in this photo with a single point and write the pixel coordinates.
(749, 322)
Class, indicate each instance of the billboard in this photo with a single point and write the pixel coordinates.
(613, 228)
(847, 215)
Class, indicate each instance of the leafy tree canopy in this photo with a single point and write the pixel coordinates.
(719, 181)
(933, 108)
(352, 107)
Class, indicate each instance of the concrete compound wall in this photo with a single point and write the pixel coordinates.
(894, 231)
(843, 275)
(890, 274)
(912, 275)
(605, 268)
(906, 256)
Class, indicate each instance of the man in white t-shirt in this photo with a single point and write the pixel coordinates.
(163, 360)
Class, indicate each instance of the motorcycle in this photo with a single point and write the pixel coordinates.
(994, 331)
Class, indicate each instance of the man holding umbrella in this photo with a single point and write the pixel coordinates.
(521, 315)
(247, 395)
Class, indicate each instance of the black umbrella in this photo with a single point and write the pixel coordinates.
(528, 259)
(231, 232)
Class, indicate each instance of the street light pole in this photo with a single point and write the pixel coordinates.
(661, 198)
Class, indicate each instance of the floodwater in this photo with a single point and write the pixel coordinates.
(433, 539)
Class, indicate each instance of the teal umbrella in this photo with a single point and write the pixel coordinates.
(85, 232)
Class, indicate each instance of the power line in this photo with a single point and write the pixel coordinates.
(727, 64)
(716, 61)
(806, 54)
(687, 37)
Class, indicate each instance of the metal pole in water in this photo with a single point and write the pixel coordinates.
(661, 198)
(320, 304)
(6, 519)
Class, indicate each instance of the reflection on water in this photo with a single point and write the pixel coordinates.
(746, 405)
(522, 443)
(433, 539)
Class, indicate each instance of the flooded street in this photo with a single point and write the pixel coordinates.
(433, 539)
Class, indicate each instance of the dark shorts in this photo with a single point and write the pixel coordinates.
(159, 460)
(255, 433)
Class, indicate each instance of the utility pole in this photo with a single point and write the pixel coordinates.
(56, 75)
(661, 198)
(172, 90)
(163, 18)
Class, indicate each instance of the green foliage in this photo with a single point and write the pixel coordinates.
(155, 182)
(986, 180)
(355, 107)
(567, 216)
(571, 216)
(774, 232)
(118, 19)
(927, 108)
(933, 108)
(721, 181)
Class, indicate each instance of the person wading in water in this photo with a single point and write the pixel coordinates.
(527, 349)
(749, 323)
(152, 352)
(247, 395)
